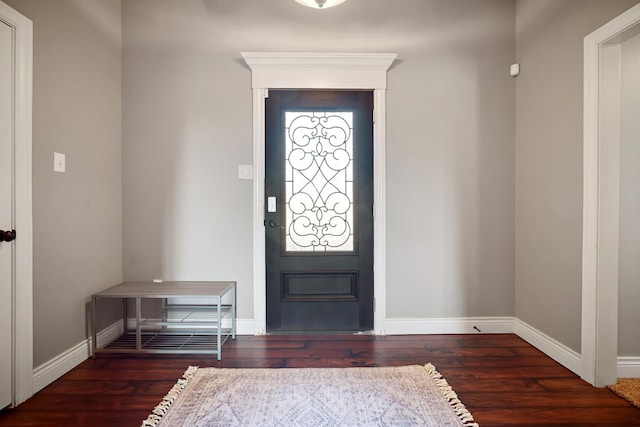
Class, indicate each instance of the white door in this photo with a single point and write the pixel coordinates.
(6, 212)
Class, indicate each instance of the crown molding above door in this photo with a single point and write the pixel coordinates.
(287, 70)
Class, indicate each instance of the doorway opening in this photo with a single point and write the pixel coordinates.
(334, 71)
(600, 250)
(319, 216)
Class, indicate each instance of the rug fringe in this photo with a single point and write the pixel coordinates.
(461, 411)
(158, 412)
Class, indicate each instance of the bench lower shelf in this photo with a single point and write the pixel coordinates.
(167, 342)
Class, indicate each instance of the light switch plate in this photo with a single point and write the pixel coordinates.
(514, 70)
(59, 162)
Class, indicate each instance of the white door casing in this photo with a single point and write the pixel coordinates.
(6, 213)
(20, 30)
(601, 151)
(318, 71)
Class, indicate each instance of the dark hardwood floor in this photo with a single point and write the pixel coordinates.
(501, 379)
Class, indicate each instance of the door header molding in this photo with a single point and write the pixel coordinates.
(304, 70)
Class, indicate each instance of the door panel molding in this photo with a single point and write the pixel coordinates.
(318, 71)
(304, 286)
(22, 204)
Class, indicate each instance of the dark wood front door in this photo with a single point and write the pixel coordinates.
(319, 210)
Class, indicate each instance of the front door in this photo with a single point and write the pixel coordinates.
(319, 210)
(6, 212)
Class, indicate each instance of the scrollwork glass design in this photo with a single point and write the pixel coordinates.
(319, 181)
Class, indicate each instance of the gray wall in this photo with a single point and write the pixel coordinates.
(77, 216)
(549, 40)
(629, 291)
(456, 122)
(187, 125)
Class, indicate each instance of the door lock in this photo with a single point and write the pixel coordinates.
(272, 224)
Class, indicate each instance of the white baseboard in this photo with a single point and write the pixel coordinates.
(50, 371)
(628, 367)
(492, 325)
(452, 325)
(559, 352)
(244, 327)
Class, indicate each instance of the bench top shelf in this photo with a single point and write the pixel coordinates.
(166, 290)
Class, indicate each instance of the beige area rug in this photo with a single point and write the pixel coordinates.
(629, 389)
(387, 396)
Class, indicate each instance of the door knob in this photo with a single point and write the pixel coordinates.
(7, 236)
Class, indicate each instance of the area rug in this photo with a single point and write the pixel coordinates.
(386, 396)
(629, 389)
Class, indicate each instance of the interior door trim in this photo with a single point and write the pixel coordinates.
(278, 70)
(22, 204)
(601, 144)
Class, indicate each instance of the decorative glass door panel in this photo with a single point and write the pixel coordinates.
(319, 181)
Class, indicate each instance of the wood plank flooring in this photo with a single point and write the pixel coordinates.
(501, 379)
